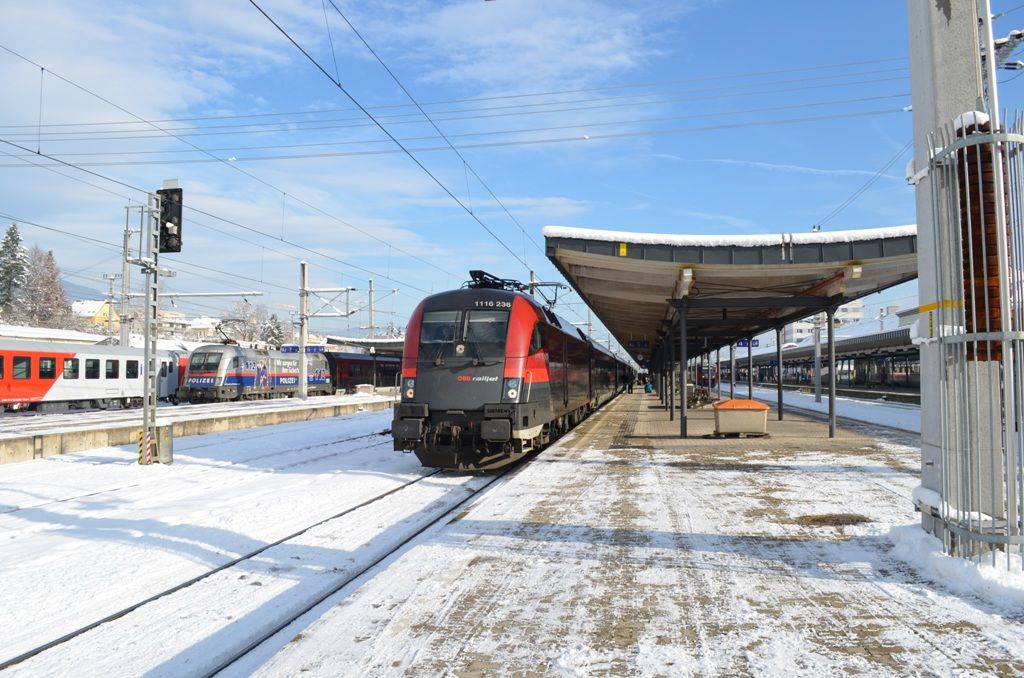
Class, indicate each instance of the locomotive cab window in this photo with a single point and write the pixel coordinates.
(47, 368)
(71, 368)
(204, 362)
(112, 369)
(486, 330)
(439, 327)
(22, 367)
(92, 368)
(163, 369)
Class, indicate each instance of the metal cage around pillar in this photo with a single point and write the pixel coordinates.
(977, 325)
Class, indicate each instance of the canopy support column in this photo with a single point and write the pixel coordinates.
(732, 371)
(671, 374)
(778, 360)
(829, 314)
(718, 371)
(682, 361)
(750, 368)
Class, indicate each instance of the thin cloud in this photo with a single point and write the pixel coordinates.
(798, 169)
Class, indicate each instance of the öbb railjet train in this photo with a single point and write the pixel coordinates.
(489, 375)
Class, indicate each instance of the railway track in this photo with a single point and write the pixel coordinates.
(421, 502)
(262, 456)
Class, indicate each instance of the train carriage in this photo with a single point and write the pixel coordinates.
(489, 375)
(57, 377)
(349, 370)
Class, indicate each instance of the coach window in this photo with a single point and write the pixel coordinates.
(47, 368)
(71, 368)
(131, 369)
(1, 367)
(113, 368)
(92, 368)
(22, 367)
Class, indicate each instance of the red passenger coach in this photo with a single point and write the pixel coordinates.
(489, 375)
(56, 377)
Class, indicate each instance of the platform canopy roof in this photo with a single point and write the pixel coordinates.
(731, 287)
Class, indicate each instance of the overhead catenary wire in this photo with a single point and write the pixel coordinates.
(867, 184)
(225, 162)
(758, 76)
(463, 135)
(294, 126)
(310, 250)
(465, 163)
(497, 144)
(423, 167)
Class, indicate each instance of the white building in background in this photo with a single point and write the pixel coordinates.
(847, 314)
(204, 328)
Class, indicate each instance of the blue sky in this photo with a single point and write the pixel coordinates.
(723, 116)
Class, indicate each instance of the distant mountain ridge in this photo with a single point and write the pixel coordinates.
(77, 292)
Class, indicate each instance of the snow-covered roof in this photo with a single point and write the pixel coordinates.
(755, 240)
(87, 308)
(732, 286)
(47, 334)
(203, 323)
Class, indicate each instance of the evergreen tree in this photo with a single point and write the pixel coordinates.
(42, 301)
(272, 332)
(13, 270)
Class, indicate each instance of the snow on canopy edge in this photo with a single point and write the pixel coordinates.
(755, 240)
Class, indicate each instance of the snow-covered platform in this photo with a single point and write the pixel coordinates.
(27, 437)
(625, 550)
(620, 550)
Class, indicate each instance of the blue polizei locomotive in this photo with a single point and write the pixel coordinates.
(490, 375)
(219, 372)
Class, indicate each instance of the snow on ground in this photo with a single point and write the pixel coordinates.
(601, 558)
(618, 550)
(897, 415)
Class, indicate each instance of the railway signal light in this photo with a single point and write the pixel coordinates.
(170, 219)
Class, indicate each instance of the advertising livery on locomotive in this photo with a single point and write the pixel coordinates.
(489, 375)
(223, 372)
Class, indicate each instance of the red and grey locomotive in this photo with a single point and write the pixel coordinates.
(489, 375)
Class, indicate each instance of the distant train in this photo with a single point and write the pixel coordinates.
(489, 375)
(57, 377)
(223, 372)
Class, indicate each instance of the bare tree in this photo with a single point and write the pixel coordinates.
(248, 321)
(42, 301)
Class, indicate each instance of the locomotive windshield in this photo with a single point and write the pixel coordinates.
(483, 331)
(439, 327)
(486, 330)
(204, 362)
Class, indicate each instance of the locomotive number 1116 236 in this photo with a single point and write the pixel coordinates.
(493, 304)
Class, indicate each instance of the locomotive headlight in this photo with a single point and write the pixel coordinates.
(409, 388)
(511, 389)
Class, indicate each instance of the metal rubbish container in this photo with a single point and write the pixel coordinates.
(741, 416)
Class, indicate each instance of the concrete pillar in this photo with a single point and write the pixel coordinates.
(945, 82)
